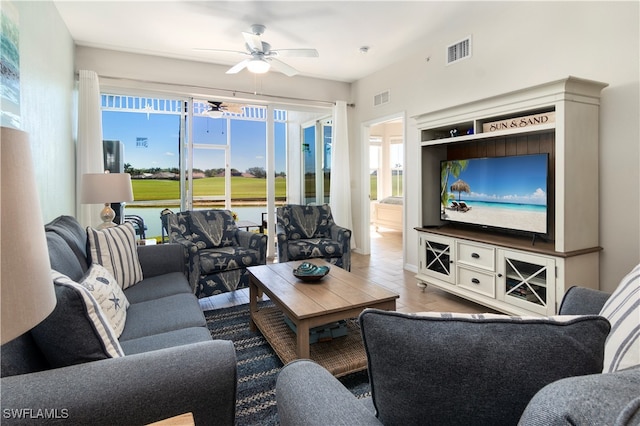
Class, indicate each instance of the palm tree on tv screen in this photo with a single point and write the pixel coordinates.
(453, 168)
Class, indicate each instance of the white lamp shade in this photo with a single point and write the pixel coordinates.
(28, 294)
(99, 188)
(214, 114)
(258, 66)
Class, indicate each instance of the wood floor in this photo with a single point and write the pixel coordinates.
(383, 267)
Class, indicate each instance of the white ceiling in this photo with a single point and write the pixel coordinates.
(393, 30)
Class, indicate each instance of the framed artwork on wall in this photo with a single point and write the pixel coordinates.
(9, 66)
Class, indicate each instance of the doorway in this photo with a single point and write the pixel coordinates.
(384, 147)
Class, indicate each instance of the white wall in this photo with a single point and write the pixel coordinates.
(203, 79)
(47, 104)
(516, 45)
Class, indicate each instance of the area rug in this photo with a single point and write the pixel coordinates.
(258, 366)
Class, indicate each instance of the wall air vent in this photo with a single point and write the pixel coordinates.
(381, 98)
(458, 51)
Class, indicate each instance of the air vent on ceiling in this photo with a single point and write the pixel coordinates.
(381, 98)
(458, 51)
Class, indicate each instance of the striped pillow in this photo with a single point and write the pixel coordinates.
(622, 309)
(115, 249)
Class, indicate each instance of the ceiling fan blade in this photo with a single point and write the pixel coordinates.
(253, 41)
(238, 67)
(285, 69)
(307, 53)
(220, 51)
(234, 108)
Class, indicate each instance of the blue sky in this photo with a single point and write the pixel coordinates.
(152, 141)
(518, 179)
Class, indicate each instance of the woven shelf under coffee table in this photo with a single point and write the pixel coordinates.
(340, 356)
(339, 296)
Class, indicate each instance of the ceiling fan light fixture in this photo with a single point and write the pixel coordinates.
(258, 66)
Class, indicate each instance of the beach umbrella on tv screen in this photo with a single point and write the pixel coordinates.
(460, 186)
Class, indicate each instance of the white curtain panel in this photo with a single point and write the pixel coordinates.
(340, 194)
(89, 144)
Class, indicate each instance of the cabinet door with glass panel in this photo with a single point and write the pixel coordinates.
(437, 257)
(527, 281)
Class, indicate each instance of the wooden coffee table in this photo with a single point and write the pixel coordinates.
(340, 295)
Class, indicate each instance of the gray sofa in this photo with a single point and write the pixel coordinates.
(171, 364)
(460, 372)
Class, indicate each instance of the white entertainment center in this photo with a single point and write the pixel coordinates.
(509, 272)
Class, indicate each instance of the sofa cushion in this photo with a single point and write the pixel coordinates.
(62, 258)
(21, 356)
(77, 330)
(169, 339)
(212, 228)
(68, 228)
(595, 399)
(104, 288)
(313, 248)
(157, 287)
(162, 315)
(622, 309)
(227, 258)
(469, 366)
(115, 249)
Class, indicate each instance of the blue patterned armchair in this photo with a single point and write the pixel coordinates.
(307, 232)
(217, 253)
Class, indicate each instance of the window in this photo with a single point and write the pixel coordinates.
(396, 160)
(375, 159)
(147, 132)
(316, 161)
(227, 156)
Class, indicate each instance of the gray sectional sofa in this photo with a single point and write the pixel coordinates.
(463, 371)
(171, 364)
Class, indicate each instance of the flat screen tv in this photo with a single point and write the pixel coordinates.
(499, 192)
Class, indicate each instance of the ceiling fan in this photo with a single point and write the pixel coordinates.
(216, 108)
(262, 57)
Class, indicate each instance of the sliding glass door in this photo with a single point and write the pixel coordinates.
(316, 161)
(181, 156)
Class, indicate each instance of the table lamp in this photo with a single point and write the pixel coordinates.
(107, 188)
(28, 295)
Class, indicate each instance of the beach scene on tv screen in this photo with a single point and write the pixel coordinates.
(501, 192)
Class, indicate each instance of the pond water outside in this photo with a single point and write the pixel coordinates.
(151, 216)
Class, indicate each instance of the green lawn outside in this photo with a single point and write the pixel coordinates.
(241, 188)
(396, 181)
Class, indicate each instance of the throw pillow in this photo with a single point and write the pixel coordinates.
(622, 309)
(115, 249)
(472, 369)
(77, 330)
(105, 289)
(213, 229)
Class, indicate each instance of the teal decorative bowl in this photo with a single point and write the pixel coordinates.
(309, 272)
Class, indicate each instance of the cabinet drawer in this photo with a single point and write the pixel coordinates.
(478, 256)
(478, 282)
